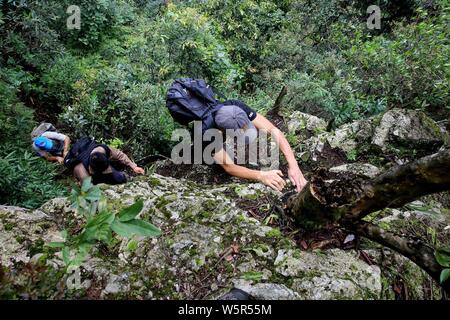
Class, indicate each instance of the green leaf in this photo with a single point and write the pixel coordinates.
(94, 194)
(131, 212)
(87, 184)
(66, 255)
(55, 244)
(105, 217)
(132, 245)
(135, 227)
(442, 257)
(81, 202)
(102, 204)
(83, 251)
(445, 249)
(445, 274)
(252, 275)
(100, 232)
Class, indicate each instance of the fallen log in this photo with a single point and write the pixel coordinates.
(320, 203)
(406, 183)
(414, 249)
(346, 200)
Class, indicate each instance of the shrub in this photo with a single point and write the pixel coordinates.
(98, 19)
(194, 47)
(100, 225)
(245, 26)
(410, 69)
(112, 107)
(335, 67)
(25, 180)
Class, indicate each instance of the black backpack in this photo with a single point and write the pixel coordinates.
(192, 100)
(80, 152)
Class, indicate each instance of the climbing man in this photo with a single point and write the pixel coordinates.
(89, 158)
(50, 144)
(193, 100)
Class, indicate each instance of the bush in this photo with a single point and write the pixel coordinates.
(111, 107)
(335, 67)
(409, 70)
(245, 26)
(25, 179)
(194, 47)
(57, 81)
(98, 19)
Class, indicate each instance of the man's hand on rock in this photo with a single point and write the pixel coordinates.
(297, 178)
(272, 179)
(139, 170)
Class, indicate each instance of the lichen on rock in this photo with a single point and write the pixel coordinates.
(192, 259)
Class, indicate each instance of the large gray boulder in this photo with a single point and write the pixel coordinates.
(208, 246)
(399, 132)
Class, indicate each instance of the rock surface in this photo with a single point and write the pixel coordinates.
(364, 169)
(208, 246)
(210, 243)
(404, 133)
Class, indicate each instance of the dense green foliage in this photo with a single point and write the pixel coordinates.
(25, 179)
(109, 78)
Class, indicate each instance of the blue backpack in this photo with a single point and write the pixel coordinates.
(192, 100)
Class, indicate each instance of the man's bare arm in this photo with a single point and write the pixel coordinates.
(295, 174)
(51, 158)
(272, 178)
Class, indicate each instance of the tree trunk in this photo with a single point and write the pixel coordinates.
(415, 250)
(358, 198)
(348, 200)
(404, 184)
(310, 210)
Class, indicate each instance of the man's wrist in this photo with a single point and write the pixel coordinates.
(293, 164)
(258, 176)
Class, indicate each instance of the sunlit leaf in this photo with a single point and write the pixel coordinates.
(101, 218)
(87, 184)
(445, 274)
(94, 194)
(100, 232)
(135, 227)
(442, 257)
(55, 244)
(131, 212)
(66, 255)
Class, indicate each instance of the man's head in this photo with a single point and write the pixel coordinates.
(234, 118)
(43, 143)
(98, 162)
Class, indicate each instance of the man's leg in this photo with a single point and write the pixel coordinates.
(114, 177)
(80, 172)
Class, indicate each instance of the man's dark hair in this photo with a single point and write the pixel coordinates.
(98, 162)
